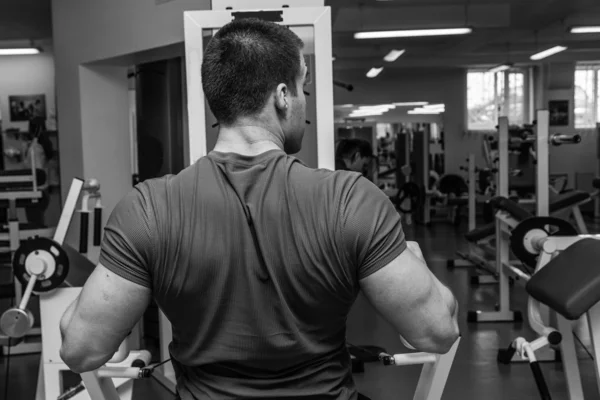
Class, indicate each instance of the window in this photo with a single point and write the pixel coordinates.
(490, 96)
(587, 90)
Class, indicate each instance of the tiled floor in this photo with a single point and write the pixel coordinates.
(475, 374)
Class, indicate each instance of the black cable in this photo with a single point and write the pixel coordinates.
(582, 345)
(7, 372)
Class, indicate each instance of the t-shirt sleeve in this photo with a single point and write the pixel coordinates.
(128, 246)
(371, 228)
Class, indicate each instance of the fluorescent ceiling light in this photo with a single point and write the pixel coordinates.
(412, 33)
(18, 52)
(426, 111)
(379, 107)
(500, 68)
(393, 55)
(585, 29)
(374, 72)
(367, 110)
(411, 104)
(434, 106)
(346, 105)
(547, 53)
(366, 114)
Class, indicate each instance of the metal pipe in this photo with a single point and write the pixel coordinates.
(413, 358)
(557, 139)
(27, 294)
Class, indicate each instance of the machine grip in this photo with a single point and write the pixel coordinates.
(83, 232)
(540, 381)
(97, 226)
(505, 356)
(558, 139)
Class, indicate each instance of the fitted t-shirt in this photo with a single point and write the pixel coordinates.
(256, 262)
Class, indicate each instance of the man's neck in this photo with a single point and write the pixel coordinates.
(249, 140)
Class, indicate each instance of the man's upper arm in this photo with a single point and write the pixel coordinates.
(119, 290)
(371, 228)
(129, 243)
(106, 311)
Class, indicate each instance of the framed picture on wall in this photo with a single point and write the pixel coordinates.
(559, 112)
(25, 107)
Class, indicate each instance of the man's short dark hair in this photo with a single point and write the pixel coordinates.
(244, 62)
(346, 148)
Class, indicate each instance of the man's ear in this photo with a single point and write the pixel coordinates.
(282, 97)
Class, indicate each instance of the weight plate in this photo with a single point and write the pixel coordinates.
(549, 225)
(16, 322)
(61, 261)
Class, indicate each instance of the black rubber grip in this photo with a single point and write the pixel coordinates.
(97, 226)
(505, 356)
(137, 363)
(83, 232)
(540, 381)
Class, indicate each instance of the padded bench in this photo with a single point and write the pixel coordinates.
(568, 199)
(503, 204)
(570, 283)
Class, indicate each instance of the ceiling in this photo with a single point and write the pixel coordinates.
(25, 20)
(503, 31)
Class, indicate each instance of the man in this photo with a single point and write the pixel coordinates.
(355, 155)
(254, 258)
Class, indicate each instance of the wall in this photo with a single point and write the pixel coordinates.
(25, 75)
(580, 159)
(93, 100)
(446, 86)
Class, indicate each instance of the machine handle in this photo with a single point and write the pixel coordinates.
(28, 291)
(97, 226)
(83, 232)
(558, 139)
(540, 381)
(505, 356)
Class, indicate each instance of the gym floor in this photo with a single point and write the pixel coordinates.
(475, 374)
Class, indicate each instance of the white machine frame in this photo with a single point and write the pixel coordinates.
(538, 317)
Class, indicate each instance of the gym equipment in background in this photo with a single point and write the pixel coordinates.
(564, 288)
(56, 272)
(511, 211)
(20, 189)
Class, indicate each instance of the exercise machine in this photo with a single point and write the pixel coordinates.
(566, 282)
(510, 212)
(20, 189)
(56, 272)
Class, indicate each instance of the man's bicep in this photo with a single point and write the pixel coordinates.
(401, 290)
(414, 301)
(107, 309)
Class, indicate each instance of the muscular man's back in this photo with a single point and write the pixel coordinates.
(256, 262)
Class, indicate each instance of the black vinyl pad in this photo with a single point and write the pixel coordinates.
(596, 183)
(570, 283)
(512, 208)
(481, 233)
(568, 199)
